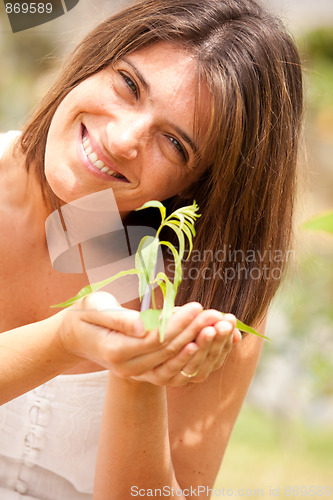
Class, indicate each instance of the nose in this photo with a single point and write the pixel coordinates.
(125, 136)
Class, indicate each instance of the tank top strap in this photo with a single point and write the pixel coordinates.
(6, 138)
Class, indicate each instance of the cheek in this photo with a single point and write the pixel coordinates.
(168, 182)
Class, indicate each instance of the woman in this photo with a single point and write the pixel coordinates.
(179, 100)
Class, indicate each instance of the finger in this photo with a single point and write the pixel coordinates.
(224, 337)
(171, 348)
(230, 317)
(157, 353)
(141, 364)
(103, 309)
(194, 365)
(205, 318)
(181, 319)
(218, 354)
(237, 336)
(164, 373)
(213, 349)
(200, 357)
(224, 327)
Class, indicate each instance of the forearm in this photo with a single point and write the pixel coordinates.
(134, 447)
(30, 355)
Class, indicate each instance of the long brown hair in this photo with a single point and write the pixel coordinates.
(246, 193)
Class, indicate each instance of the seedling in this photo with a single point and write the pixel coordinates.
(181, 221)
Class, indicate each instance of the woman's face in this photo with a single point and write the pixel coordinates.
(129, 128)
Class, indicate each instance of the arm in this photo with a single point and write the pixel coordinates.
(30, 355)
(95, 328)
(210, 411)
(153, 437)
(34, 353)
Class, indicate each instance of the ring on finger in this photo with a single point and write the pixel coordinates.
(189, 375)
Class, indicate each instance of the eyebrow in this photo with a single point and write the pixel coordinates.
(146, 86)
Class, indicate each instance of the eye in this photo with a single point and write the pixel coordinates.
(131, 84)
(180, 149)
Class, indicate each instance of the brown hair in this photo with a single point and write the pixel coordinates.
(246, 193)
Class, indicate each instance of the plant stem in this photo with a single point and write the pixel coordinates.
(153, 297)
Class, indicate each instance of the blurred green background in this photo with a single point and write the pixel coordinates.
(284, 436)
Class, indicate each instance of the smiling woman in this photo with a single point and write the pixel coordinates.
(127, 127)
(171, 100)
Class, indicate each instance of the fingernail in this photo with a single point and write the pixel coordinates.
(237, 336)
(225, 326)
(210, 336)
(192, 349)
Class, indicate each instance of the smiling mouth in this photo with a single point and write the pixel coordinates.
(97, 162)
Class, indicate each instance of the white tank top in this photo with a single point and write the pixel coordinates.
(49, 436)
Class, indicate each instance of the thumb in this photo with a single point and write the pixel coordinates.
(103, 309)
(101, 301)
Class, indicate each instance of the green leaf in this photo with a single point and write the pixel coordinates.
(168, 307)
(161, 277)
(181, 219)
(162, 286)
(189, 212)
(188, 233)
(150, 318)
(172, 248)
(154, 204)
(178, 263)
(94, 287)
(145, 261)
(187, 229)
(248, 329)
(321, 222)
(181, 240)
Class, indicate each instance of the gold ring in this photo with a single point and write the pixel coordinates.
(189, 375)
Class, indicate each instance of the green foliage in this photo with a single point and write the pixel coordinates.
(181, 221)
(27, 61)
(287, 453)
(318, 43)
(316, 48)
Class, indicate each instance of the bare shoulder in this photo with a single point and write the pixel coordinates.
(6, 140)
(2, 135)
(202, 416)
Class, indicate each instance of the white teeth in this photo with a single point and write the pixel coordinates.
(95, 160)
(93, 157)
(100, 164)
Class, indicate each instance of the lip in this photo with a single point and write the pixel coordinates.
(90, 166)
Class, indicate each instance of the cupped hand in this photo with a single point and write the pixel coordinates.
(97, 328)
(215, 334)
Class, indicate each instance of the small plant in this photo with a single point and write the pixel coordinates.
(181, 221)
